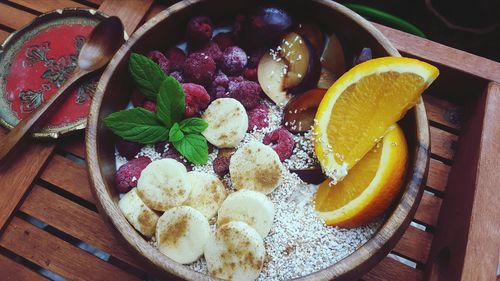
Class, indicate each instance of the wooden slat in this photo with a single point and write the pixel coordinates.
(74, 144)
(443, 112)
(438, 175)
(99, 2)
(130, 20)
(414, 244)
(428, 209)
(12, 271)
(48, 5)
(13, 17)
(443, 143)
(157, 8)
(57, 255)
(3, 35)
(389, 270)
(74, 220)
(69, 176)
(439, 53)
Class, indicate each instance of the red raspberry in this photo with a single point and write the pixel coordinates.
(234, 59)
(250, 74)
(174, 154)
(282, 142)
(137, 98)
(127, 148)
(221, 162)
(177, 76)
(128, 174)
(149, 105)
(199, 68)
(199, 30)
(257, 117)
(161, 60)
(246, 92)
(212, 50)
(197, 99)
(176, 57)
(224, 40)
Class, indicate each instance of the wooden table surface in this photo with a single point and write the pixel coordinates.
(50, 227)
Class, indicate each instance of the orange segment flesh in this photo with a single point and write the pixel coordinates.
(360, 106)
(369, 188)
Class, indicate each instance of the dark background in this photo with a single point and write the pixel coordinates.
(475, 25)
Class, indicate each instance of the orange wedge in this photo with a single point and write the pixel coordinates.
(369, 188)
(360, 106)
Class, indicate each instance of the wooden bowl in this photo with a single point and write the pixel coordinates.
(167, 28)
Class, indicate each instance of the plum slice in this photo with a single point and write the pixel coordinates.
(312, 175)
(298, 115)
(312, 33)
(333, 58)
(271, 75)
(303, 64)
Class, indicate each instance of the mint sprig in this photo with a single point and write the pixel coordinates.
(142, 126)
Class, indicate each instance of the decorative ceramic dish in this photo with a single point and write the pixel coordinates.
(115, 91)
(36, 60)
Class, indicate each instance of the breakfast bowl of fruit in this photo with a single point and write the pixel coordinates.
(246, 140)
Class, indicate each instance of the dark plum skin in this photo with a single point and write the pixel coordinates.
(311, 76)
(265, 27)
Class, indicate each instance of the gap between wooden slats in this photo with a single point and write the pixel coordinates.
(11, 270)
(414, 245)
(47, 5)
(389, 270)
(14, 18)
(74, 220)
(57, 255)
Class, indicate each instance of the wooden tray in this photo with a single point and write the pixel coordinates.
(49, 222)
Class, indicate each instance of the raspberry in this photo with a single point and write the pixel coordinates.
(199, 68)
(257, 117)
(197, 99)
(161, 60)
(199, 30)
(224, 40)
(177, 76)
(219, 85)
(282, 142)
(149, 105)
(128, 174)
(246, 92)
(221, 162)
(212, 50)
(137, 98)
(176, 57)
(234, 60)
(250, 74)
(221, 79)
(127, 148)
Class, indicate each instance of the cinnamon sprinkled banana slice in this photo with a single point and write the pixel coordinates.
(235, 252)
(207, 193)
(163, 184)
(251, 207)
(256, 166)
(227, 122)
(182, 233)
(140, 216)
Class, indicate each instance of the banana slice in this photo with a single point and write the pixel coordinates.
(207, 193)
(163, 184)
(182, 233)
(256, 166)
(140, 216)
(251, 207)
(227, 122)
(235, 252)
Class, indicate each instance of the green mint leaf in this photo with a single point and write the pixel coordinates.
(137, 125)
(171, 102)
(147, 75)
(193, 125)
(175, 133)
(194, 148)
